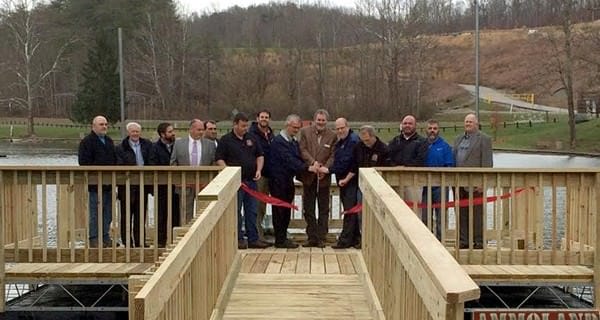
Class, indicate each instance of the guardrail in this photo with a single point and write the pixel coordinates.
(408, 267)
(188, 282)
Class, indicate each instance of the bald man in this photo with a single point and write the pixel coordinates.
(98, 149)
(192, 150)
(472, 149)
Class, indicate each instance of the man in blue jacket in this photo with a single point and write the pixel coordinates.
(285, 163)
(98, 149)
(439, 154)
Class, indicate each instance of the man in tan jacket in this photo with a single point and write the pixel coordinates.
(316, 146)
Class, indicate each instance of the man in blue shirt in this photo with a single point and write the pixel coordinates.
(439, 154)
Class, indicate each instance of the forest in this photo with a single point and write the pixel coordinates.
(59, 58)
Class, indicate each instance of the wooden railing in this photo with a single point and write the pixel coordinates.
(187, 283)
(46, 215)
(410, 270)
(544, 216)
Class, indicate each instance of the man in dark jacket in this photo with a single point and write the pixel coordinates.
(408, 149)
(343, 161)
(160, 155)
(369, 152)
(285, 162)
(263, 133)
(133, 151)
(98, 149)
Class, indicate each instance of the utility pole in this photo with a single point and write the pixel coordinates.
(121, 86)
(477, 58)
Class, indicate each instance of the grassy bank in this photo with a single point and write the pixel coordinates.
(551, 135)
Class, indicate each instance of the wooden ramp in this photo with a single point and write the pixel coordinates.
(301, 284)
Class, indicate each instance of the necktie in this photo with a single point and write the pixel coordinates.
(194, 154)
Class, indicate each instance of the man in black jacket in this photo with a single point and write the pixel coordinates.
(133, 151)
(98, 149)
(408, 149)
(160, 155)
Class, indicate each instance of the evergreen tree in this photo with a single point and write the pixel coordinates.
(99, 91)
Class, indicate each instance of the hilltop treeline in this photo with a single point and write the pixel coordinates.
(59, 59)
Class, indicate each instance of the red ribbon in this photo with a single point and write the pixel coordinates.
(267, 198)
(450, 204)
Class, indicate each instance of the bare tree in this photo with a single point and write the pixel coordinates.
(561, 62)
(31, 53)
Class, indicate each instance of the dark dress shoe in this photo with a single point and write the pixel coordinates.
(357, 246)
(242, 244)
(257, 245)
(287, 244)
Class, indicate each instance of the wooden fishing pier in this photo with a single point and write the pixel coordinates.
(542, 234)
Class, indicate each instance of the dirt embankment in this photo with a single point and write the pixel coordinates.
(518, 61)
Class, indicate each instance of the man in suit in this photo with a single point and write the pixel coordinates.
(472, 149)
(98, 149)
(316, 147)
(192, 150)
(161, 156)
(133, 151)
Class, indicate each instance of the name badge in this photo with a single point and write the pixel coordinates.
(326, 146)
(249, 143)
(374, 157)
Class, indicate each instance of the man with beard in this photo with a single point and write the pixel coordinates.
(472, 149)
(239, 148)
(408, 149)
(133, 151)
(161, 156)
(316, 146)
(343, 161)
(264, 136)
(439, 154)
(210, 131)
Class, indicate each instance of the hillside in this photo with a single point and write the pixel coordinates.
(517, 61)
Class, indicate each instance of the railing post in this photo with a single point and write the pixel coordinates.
(2, 225)
(597, 245)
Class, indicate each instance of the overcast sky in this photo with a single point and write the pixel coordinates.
(218, 5)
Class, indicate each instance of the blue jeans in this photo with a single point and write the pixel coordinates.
(249, 219)
(436, 197)
(106, 215)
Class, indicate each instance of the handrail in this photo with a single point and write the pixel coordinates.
(409, 268)
(198, 265)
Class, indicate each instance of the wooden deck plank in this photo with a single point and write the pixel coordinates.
(331, 264)
(275, 263)
(529, 273)
(303, 265)
(299, 296)
(346, 266)
(289, 263)
(317, 263)
(260, 266)
(74, 270)
(248, 261)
